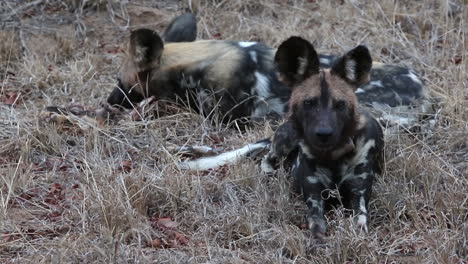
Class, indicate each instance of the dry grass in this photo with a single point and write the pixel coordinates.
(87, 193)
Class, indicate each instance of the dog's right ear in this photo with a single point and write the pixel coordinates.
(146, 48)
(355, 66)
(182, 29)
(296, 60)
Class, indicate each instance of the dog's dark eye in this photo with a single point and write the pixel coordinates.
(310, 102)
(340, 105)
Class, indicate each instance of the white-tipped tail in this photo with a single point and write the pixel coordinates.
(226, 158)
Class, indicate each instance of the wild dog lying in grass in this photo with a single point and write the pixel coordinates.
(233, 80)
(333, 142)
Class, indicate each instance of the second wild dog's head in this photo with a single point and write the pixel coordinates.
(144, 53)
(323, 106)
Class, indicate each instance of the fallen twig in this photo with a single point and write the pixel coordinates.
(20, 8)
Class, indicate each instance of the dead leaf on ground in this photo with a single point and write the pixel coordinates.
(457, 59)
(173, 237)
(156, 243)
(164, 223)
(11, 98)
(126, 166)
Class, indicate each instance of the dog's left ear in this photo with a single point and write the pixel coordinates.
(296, 60)
(146, 48)
(355, 66)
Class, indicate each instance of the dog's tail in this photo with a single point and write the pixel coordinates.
(227, 158)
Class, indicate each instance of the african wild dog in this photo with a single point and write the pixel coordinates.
(337, 143)
(333, 142)
(234, 79)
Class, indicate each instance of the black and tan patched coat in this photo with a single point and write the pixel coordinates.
(333, 143)
(229, 80)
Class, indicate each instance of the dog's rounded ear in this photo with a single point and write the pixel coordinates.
(355, 66)
(296, 60)
(181, 29)
(146, 48)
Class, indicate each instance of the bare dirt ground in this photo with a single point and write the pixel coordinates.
(83, 192)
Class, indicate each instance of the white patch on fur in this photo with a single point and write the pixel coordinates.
(302, 66)
(265, 166)
(414, 77)
(312, 179)
(316, 203)
(396, 119)
(350, 67)
(362, 203)
(262, 85)
(397, 116)
(362, 147)
(246, 44)
(362, 121)
(362, 175)
(376, 83)
(140, 53)
(362, 222)
(305, 149)
(297, 162)
(311, 222)
(360, 90)
(195, 150)
(323, 174)
(275, 105)
(230, 157)
(253, 55)
(324, 61)
(264, 103)
(362, 217)
(294, 166)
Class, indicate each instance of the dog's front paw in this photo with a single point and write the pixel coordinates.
(266, 166)
(317, 225)
(361, 222)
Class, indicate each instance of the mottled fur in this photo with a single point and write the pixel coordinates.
(332, 141)
(212, 76)
(238, 79)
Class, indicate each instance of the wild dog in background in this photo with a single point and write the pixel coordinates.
(235, 79)
(333, 142)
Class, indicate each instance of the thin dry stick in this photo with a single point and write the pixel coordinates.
(20, 8)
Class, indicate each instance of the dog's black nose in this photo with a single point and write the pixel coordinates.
(324, 133)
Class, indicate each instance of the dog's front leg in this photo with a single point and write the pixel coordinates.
(312, 180)
(356, 188)
(284, 142)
